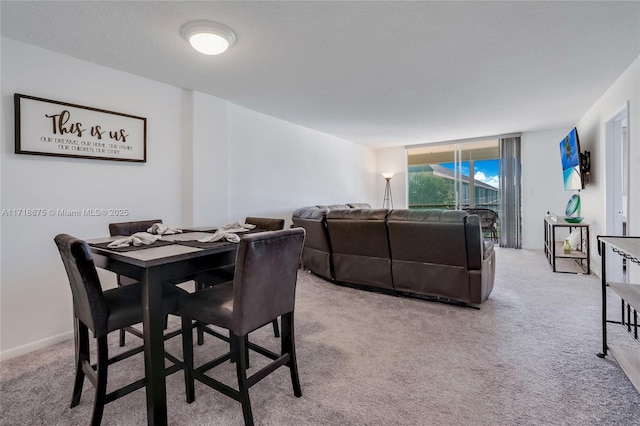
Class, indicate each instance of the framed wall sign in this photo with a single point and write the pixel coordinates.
(46, 127)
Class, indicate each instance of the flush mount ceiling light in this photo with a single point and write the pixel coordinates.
(208, 37)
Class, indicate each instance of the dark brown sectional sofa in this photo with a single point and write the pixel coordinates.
(436, 253)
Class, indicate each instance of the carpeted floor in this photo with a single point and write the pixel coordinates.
(528, 357)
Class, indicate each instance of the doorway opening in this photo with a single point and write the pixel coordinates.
(617, 184)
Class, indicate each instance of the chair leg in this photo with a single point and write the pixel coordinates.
(101, 383)
(276, 329)
(199, 326)
(233, 348)
(81, 335)
(121, 341)
(241, 369)
(187, 350)
(289, 346)
(200, 331)
(246, 352)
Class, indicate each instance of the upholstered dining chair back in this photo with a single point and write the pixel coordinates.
(126, 229)
(266, 223)
(130, 228)
(88, 300)
(265, 278)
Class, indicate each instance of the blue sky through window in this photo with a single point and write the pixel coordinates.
(484, 171)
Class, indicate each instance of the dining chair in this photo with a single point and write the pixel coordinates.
(263, 289)
(266, 223)
(130, 228)
(224, 274)
(125, 229)
(103, 312)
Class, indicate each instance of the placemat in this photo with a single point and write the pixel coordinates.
(158, 243)
(198, 244)
(200, 229)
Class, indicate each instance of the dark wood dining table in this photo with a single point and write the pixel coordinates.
(177, 261)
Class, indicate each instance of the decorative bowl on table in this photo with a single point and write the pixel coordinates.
(574, 219)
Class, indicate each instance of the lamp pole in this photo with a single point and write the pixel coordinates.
(387, 202)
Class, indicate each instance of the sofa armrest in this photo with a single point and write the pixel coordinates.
(475, 242)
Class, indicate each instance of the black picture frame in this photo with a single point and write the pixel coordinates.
(60, 129)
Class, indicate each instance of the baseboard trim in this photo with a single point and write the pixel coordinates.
(34, 346)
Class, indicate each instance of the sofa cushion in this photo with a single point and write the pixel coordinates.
(429, 253)
(360, 246)
(309, 213)
(432, 241)
(333, 206)
(358, 214)
(359, 205)
(427, 215)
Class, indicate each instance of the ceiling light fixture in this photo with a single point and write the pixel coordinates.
(208, 37)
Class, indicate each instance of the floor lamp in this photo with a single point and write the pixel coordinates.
(387, 203)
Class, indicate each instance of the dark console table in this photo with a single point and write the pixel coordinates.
(553, 249)
(628, 357)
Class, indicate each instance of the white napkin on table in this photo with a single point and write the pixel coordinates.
(220, 235)
(228, 232)
(163, 229)
(137, 239)
(237, 227)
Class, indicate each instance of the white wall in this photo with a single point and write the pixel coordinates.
(204, 164)
(278, 167)
(542, 183)
(208, 162)
(542, 188)
(592, 132)
(36, 301)
(210, 166)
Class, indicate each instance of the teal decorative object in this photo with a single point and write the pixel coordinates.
(574, 219)
(573, 205)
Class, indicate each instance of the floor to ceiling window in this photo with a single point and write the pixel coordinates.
(454, 175)
(467, 175)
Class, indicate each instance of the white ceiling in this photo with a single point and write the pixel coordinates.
(382, 73)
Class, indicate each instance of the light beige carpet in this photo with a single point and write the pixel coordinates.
(528, 357)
